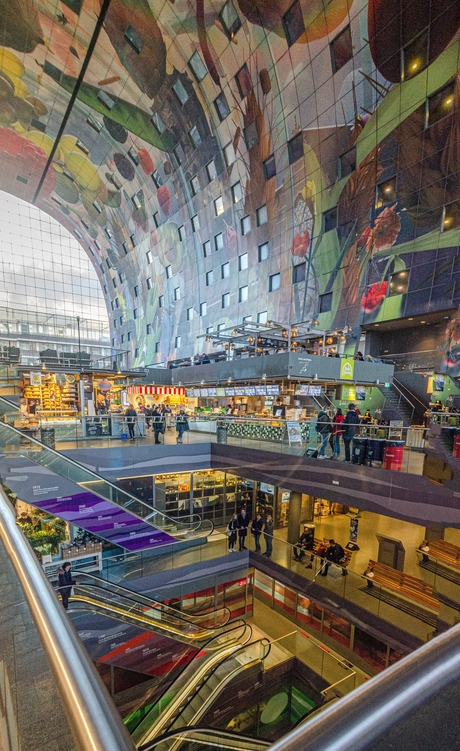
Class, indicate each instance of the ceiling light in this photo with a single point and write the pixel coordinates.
(414, 66)
(422, 321)
(410, 319)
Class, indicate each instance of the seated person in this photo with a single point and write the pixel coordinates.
(334, 554)
(369, 574)
(305, 542)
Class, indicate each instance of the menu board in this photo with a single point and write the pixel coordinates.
(240, 391)
(220, 392)
(273, 390)
(230, 391)
(308, 390)
(250, 391)
(261, 390)
(212, 392)
(189, 392)
(196, 392)
(204, 392)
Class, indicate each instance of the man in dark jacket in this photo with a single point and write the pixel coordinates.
(349, 428)
(65, 583)
(306, 542)
(243, 524)
(334, 554)
(131, 414)
(256, 529)
(157, 418)
(324, 429)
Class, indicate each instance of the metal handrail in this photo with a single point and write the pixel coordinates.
(357, 720)
(94, 720)
(410, 392)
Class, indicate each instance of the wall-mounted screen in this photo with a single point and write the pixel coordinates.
(273, 390)
(261, 390)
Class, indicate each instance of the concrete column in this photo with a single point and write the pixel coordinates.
(295, 509)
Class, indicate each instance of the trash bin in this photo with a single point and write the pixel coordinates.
(375, 451)
(47, 436)
(358, 454)
(393, 456)
(221, 431)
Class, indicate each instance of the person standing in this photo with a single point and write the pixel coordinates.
(131, 414)
(181, 425)
(349, 429)
(336, 433)
(268, 535)
(256, 530)
(232, 533)
(148, 417)
(65, 583)
(32, 407)
(323, 428)
(157, 418)
(243, 524)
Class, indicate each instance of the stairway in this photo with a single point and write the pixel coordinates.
(396, 407)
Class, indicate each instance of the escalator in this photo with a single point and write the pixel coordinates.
(205, 739)
(81, 496)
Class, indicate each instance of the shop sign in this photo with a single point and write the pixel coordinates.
(293, 429)
(35, 379)
(347, 369)
(124, 399)
(104, 385)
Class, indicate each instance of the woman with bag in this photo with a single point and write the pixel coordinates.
(232, 533)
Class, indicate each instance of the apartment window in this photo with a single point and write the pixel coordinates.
(325, 302)
(195, 185)
(293, 24)
(149, 283)
(129, 336)
(295, 148)
(161, 301)
(120, 276)
(107, 231)
(202, 308)
(136, 291)
(158, 123)
(158, 182)
(451, 218)
(134, 38)
(226, 300)
(113, 342)
(262, 215)
(243, 262)
(243, 81)
(441, 104)
(209, 278)
(197, 67)
(149, 256)
(330, 219)
(398, 283)
(225, 270)
(237, 192)
(109, 265)
(149, 328)
(136, 352)
(347, 162)
(114, 320)
(247, 318)
(106, 290)
(220, 326)
(219, 241)
(135, 313)
(341, 49)
(195, 223)
(181, 231)
(195, 137)
(243, 294)
(229, 19)
(117, 303)
(250, 135)
(218, 206)
(180, 92)
(211, 170)
(209, 329)
(274, 282)
(245, 225)
(386, 192)
(189, 314)
(156, 218)
(178, 341)
(177, 293)
(207, 248)
(269, 167)
(414, 56)
(263, 252)
(179, 153)
(136, 201)
(221, 105)
(134, 156)
(262, 317)
(125, 248)
(157, 347)
(229, 154)
(122, 338)
(114, 282)
(133, 240)
(298, 273)
(121, 320)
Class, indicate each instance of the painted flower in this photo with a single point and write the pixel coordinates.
(300, 244)
(164, 199)
(146, 161)
(386, 229)
(365, 238)
(374, 297)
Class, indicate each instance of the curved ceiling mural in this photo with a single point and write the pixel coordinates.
(219, 160)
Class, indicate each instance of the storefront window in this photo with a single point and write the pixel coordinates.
(235, 597)
(373, 651)
(263, 585)
(285, 598)
(309, 613)
(337, 628)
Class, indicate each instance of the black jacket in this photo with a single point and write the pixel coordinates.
(323, 423)
(256, 526)
(349, 424)
(335, 553)
(65, 578)
(130, 413)
(306, 540)
(243, 524)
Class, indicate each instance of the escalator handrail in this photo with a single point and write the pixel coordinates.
(99, 478)
(149, 602)
(357, 720)
(204, 649)
(199, 730)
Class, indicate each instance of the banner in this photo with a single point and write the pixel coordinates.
(35, 379)
(294, 435)
(347, 369)
(354, 529)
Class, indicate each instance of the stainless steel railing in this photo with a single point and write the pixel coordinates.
(93, 719)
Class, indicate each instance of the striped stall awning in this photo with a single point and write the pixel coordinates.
(156, 390)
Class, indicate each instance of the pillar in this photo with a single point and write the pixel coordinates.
(434, 533)
(295, 511)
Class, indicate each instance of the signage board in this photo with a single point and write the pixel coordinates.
(347, 369)
(293, 429)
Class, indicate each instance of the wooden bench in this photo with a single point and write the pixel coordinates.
(443, 551)
(403, 584)
(346, 558)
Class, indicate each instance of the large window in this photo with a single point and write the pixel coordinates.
(245, 225)
(325, 303)
(226, 300)
(209, 278)
(243, 294)
(274, 282)
(295, 148)
(341, 49)
(225, 270)
(298, 273)
(263, 252)
(243, 262)
(293, 23)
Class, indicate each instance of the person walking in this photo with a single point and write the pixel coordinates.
(243, 524)
(336, 433)
(181, 424)
(65, 583)
(268, 535)
(232, 529)
(349, 429)
(323, 428)
(131, 414)
(256, 529)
